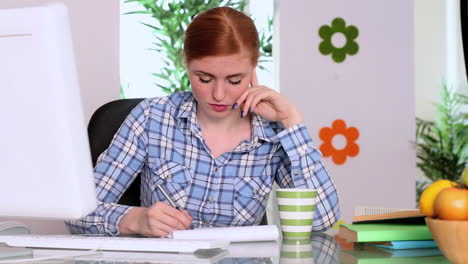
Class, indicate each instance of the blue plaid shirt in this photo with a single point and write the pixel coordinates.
(162, 140)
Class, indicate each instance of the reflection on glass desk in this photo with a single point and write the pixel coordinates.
(363, 254)
(319, 249)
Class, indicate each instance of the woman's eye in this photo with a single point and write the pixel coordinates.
(204, 80)
(235, 82)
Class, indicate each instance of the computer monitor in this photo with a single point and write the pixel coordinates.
(45, 162)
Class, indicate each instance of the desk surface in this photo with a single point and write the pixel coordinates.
(321, 248)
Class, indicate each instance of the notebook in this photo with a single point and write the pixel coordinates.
(373, 210)
(383, 232)
(232, 233)
(388, 215)
(409, 244)
(405, 253)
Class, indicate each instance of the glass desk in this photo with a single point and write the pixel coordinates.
(321, 248)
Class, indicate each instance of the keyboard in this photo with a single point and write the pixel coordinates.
(110, 243)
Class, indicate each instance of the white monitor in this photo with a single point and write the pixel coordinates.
(45, 161)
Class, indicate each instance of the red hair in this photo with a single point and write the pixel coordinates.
(221, 31)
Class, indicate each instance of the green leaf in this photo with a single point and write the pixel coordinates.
(160, 75)
(172, 19)
(137, 12)
(156, 29)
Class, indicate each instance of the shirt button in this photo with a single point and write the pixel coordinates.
(215, 169)
(210, 199)
(296, 173)
(169, 176)
(254, 191)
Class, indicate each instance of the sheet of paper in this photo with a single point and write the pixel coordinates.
(233, 234)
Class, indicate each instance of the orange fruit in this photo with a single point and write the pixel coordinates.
(452, 204)
(428, 196)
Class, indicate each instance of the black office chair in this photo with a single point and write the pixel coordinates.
(102, 126)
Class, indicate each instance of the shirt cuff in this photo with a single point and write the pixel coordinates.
(113, 215)
(296, 140)
(297, 144)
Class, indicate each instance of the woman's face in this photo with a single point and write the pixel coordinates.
(217, 82)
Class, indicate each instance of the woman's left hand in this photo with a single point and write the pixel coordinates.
(268, 104)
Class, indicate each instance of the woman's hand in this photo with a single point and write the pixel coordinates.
(268, 104)
(159, 220)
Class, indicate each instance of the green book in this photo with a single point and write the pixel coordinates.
(383, 232)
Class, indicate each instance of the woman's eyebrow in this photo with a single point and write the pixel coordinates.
(203, 73)
(236, 75)
(212, 76)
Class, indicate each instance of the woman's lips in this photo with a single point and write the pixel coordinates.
(219, 108)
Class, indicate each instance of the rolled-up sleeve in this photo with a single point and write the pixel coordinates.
(115, 170)
(301, 167)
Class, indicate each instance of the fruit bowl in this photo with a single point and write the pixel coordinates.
(451, 237)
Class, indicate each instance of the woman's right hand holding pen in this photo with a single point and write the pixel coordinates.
(158, 220)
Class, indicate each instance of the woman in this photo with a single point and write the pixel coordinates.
(216, 151)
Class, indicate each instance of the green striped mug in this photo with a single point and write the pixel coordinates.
(296, 211)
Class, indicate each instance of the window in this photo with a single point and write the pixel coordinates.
(138, 61)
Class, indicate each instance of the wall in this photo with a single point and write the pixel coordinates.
(371, 89)
(430, 54)
(95, 29)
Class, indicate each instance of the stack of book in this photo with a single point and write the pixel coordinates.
(384, 235)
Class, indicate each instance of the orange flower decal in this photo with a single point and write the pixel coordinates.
(339, 130)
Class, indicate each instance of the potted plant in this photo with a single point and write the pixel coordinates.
(442, 144)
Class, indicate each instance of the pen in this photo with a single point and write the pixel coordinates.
(168, 198)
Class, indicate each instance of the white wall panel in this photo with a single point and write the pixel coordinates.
(372, 91)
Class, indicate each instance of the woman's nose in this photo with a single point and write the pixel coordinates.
(218, 91)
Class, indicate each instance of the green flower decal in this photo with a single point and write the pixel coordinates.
(338, 27)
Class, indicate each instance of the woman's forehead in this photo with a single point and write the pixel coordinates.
(222, 65)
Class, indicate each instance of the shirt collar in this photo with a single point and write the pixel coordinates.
(187, 108)
(262, 129)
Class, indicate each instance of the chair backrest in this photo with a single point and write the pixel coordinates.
(102, 126)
